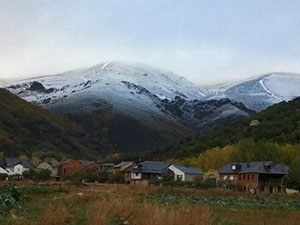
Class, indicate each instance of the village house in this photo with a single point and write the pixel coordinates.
(185, 173)
(212, 176)
(106, 167)
(50, 164)
(69, 167)
(3, 170)
(89, 166)
(16, 166)
(121, 167)
(255, 177)
(147, 170)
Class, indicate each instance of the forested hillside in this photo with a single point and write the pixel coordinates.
(279, 123)
(26, 128)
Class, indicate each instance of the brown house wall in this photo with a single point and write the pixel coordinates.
(71, 167)
(248, 181)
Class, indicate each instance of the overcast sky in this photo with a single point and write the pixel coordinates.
(206, 41)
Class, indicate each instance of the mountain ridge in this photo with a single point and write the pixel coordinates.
(149, 98)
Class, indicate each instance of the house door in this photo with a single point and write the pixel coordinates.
(271, 189)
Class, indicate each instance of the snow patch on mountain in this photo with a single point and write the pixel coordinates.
(262, 92)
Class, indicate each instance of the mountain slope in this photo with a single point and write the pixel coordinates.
(25, 128)
(160, 106)
(262, 92)
(279, 123)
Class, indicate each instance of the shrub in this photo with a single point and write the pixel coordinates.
(76, 178)
(293, 180)
(101, 177)
(3, 176)
(37, 175)
(116, 178)
(230, 185)
(197, 183)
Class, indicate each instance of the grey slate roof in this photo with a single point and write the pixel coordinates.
(188, 170)
(11, 162)
(265, 167)
(28, 164)
(51, 161)
(156, 167)
(120, 164)
(107, 164)
(86, 162)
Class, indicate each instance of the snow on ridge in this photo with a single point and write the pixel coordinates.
(107, 81)
(261, 82)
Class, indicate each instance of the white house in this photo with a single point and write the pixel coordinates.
(185, 173)
(3, 170)
(15, 166)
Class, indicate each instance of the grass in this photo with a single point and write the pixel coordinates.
(137, 205)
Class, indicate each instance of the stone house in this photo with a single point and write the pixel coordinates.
(50, 164)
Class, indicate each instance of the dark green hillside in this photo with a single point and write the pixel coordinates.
(25, 128)
(279, 123)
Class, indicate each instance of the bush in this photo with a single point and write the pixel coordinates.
(101, 177)
(76, 178)
(197, 183)
(230, 185)
(117, 178)
(37, 175)
(3, 176)
(293, 180)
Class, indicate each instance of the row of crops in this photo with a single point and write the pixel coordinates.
(257, 202)
(10, 194)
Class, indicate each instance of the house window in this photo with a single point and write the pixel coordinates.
(252, 176)
(233, 167)
(179, 177)
(248, 176)
(136, 174)
(244, 177)
(225, 177)
(240, 177)
(231, 178)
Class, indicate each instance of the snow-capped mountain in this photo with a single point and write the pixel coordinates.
(128, 107)
(123, 86)
(137, 91)
(264, 91)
